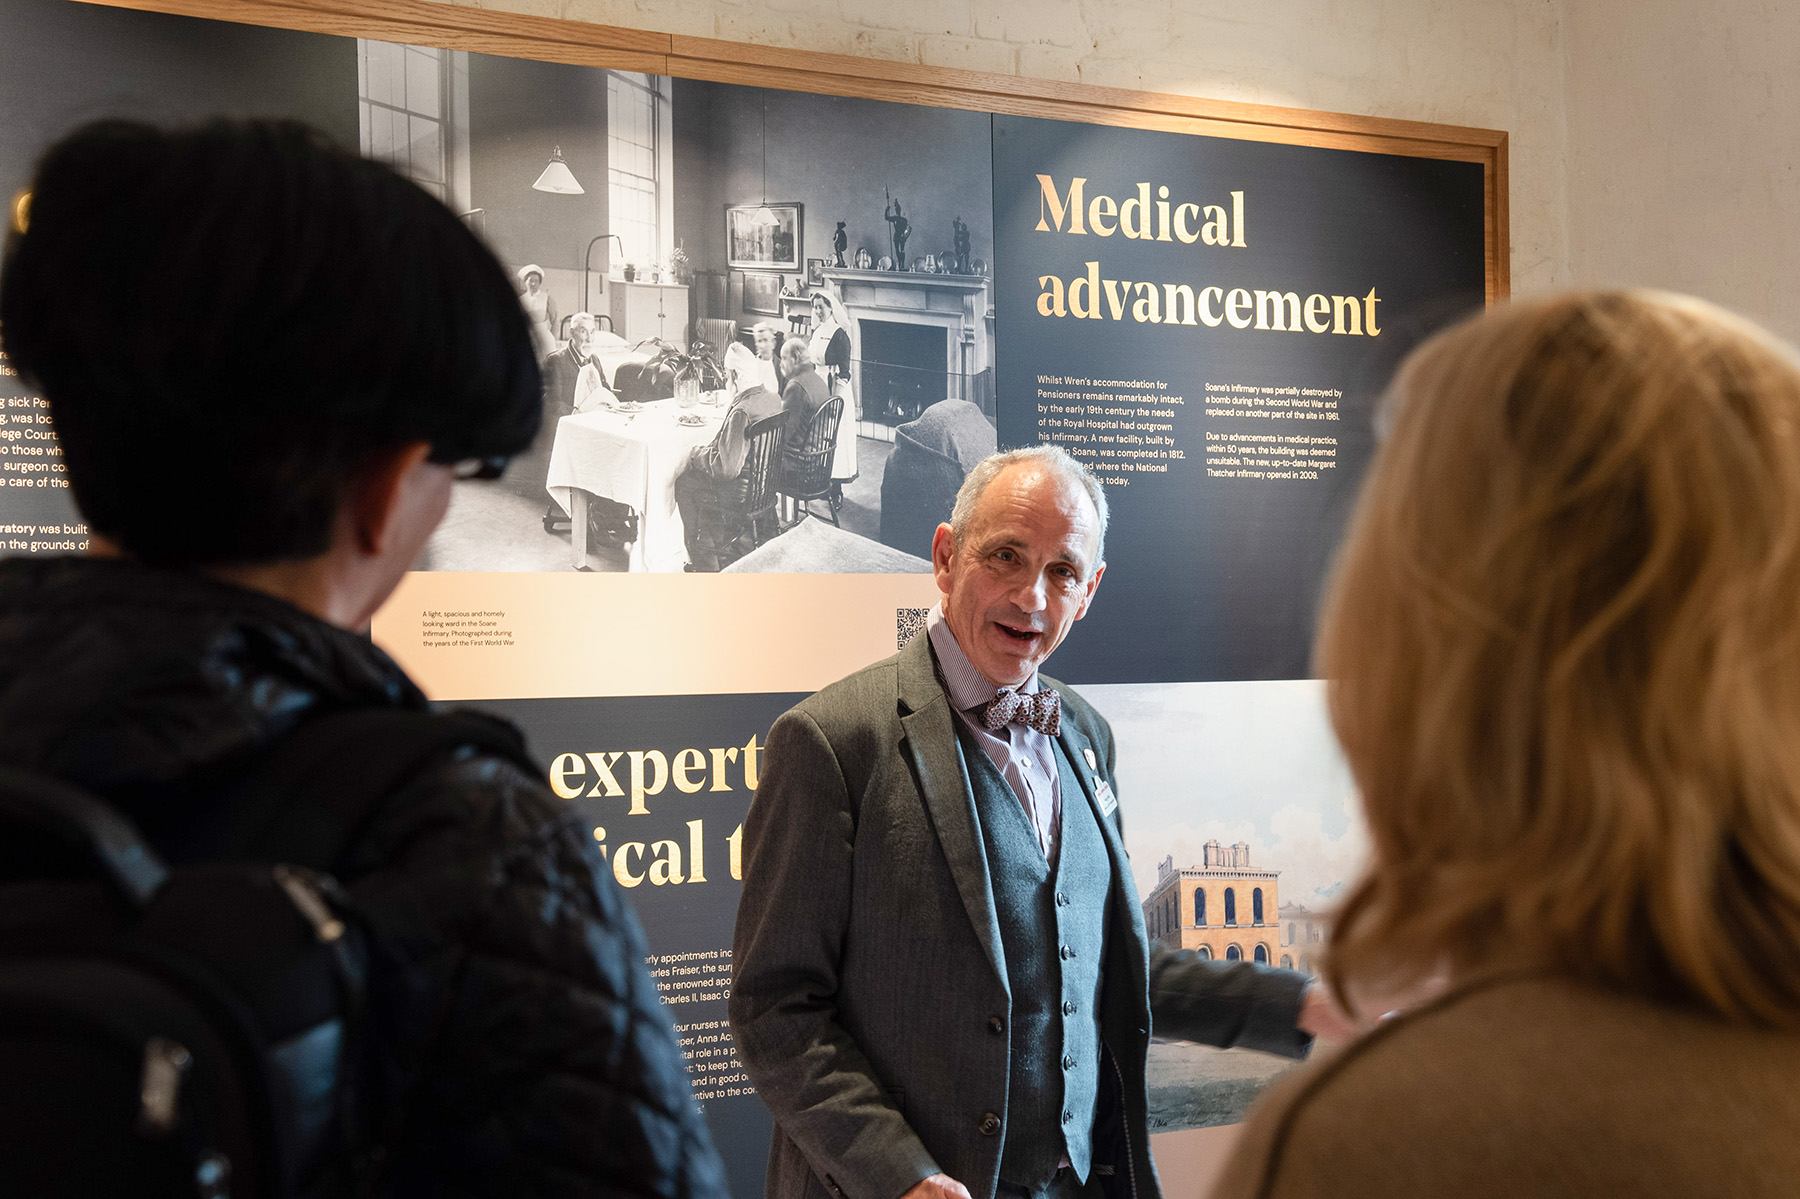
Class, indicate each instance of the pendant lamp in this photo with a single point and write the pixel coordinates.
(556, 177)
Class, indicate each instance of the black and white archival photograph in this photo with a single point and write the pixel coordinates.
(650, 225)
(765, 317)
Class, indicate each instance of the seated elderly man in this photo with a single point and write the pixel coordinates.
(571, 380)
(806, 392)
(571, 376)
(711, 475)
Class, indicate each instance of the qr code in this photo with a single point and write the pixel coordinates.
(908, 623)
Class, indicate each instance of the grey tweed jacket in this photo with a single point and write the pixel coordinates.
(870, 1000)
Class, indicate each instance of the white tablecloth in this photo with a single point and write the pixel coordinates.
(632, 458)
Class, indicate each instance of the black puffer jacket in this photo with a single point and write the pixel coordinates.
(520, 1038)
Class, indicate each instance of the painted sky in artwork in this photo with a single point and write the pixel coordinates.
(1238, 761)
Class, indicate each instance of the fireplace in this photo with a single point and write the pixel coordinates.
(902, 370)
(915, 339)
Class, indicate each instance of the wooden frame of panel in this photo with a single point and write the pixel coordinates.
(483, 31)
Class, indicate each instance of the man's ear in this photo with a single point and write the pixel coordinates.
(376, 509)
(1088, 593)
(943, 545)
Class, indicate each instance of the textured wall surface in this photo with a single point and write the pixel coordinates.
(1497, 64)
(1684, 165)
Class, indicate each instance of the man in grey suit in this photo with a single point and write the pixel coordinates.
(942, 986)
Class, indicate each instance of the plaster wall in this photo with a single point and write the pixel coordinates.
(1683, 160)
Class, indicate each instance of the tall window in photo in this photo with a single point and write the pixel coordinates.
(640, 200)
(412, 107)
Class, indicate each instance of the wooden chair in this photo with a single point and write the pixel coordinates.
(806, 469)
(641, 382)
(748, 507)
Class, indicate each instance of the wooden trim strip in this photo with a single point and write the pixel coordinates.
(1499, 225)
(1414, 140)
(983, 90)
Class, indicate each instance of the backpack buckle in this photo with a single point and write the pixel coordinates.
(306, 895)
(159, 1094)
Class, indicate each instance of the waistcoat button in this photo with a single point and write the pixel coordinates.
(1068, 1061)
(1068, 951)
(1068, 1007)
(996, 1025)
(989, 1124)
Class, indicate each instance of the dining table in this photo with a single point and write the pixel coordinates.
(631, 454)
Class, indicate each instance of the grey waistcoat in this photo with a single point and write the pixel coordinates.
(1053, 931)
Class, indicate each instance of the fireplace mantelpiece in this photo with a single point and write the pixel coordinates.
(959, 304)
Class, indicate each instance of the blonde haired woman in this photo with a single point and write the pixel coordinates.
(1564, 652)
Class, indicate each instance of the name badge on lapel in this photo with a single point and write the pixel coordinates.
(1103, 792)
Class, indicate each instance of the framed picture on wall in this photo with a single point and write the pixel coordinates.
(815, 272)
(762, 292)
(752, 241)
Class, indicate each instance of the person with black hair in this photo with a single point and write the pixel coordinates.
(246, 523)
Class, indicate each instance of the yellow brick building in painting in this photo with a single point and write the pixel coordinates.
(1227, 909)
(1303, 935)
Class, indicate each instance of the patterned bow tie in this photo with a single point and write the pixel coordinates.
(1041, 710)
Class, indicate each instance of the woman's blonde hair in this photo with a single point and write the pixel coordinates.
(1563, 645)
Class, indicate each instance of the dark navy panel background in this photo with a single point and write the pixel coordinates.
(49, 511)
(1213, 578)
(691, 917)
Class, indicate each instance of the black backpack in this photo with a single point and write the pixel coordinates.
(195, 1030)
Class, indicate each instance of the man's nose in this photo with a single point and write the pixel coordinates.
(1030, 596)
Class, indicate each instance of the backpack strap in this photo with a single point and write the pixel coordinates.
(83, 824)
(310, 794)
